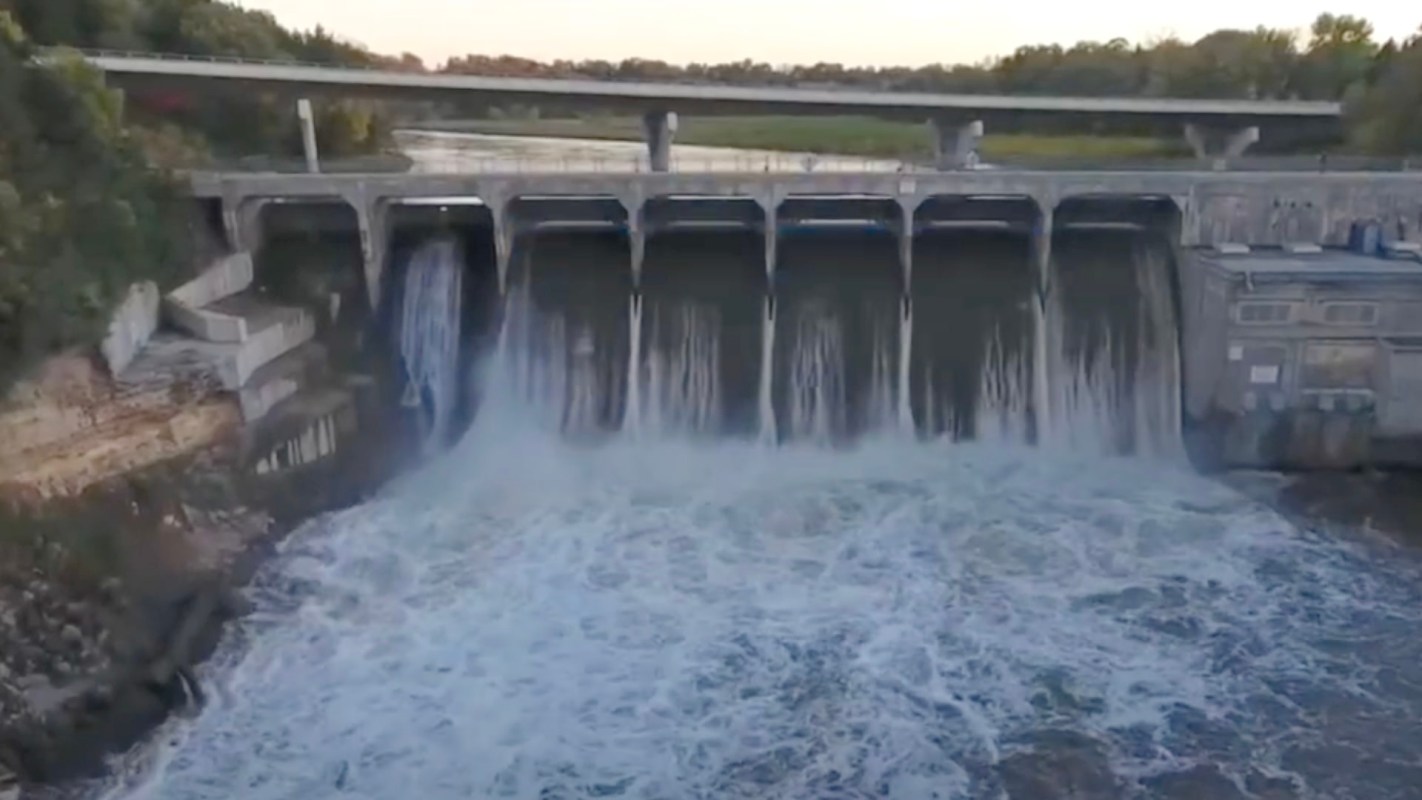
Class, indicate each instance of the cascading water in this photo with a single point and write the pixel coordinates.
(819, 397)
(1115, 344)
(430, 333)
(679, 386)
(972, 356)
(661, 617)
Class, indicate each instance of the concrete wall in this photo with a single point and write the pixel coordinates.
(1214, 207)
(236, 367)
(226, 277)
(133, 323)
(184, 306)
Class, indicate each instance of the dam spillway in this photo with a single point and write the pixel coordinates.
(840, 339)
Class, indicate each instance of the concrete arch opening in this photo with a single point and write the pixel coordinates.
(973, 302)
(423, 234)
(570, 291)
(308, 253)
(700, 317)
(838, 317)
(1114, 321)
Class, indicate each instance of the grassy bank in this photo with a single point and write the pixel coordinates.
(855, 136)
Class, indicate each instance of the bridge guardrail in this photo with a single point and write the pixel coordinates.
(213, 59)
(788, 164)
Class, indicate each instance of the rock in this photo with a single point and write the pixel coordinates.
(1201, 781)
(1061, 765)
(72, 635)
(234, 604)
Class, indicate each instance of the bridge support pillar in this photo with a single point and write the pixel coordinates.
(1219, 145)
(308, 135)
(955, 144)
(659, 128)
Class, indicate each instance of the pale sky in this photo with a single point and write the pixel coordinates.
(909, 32)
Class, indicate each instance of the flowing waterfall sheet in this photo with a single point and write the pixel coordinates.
(679, 385)
(552, 366)
(974, 329)
(1115, 347)
(430, 333)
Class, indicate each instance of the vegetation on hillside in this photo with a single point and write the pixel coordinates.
(81, 213)
(193, 126)
(86, 208)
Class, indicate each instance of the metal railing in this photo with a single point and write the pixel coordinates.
(212, 59)
(458, 164)
(534, 166)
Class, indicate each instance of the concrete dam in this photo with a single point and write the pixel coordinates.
(1255, 320)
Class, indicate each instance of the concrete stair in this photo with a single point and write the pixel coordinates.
(281, 379)
(222, 331)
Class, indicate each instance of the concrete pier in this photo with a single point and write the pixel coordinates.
(955, 143)
(308, 135)
(1220, 145)
(659, 128)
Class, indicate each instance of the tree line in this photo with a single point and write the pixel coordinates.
(1340, 58)
(82, 214)
(185, 127)
(87, 206)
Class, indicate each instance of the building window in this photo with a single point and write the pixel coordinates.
(1339, 365)
(1256, 313)
(1350, 313)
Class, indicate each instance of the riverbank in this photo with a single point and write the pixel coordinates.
(139, 491)
(849, 136)
(127, 524)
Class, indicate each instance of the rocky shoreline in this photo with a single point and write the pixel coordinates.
(109, 599)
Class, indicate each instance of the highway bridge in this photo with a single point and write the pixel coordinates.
(1218, 129)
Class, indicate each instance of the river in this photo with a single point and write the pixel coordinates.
(661, 615)
(464, 152)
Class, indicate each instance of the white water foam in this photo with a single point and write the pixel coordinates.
(429, 333)
(532, 619)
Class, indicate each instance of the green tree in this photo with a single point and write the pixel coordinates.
(1339, 56)
(83, 214)
(1387, 117)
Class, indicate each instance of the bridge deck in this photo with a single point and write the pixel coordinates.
(701, 99)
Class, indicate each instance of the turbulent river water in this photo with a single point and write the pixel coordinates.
(664, 613)
(531, 619)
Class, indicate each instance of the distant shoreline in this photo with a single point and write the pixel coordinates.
(843, 136)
